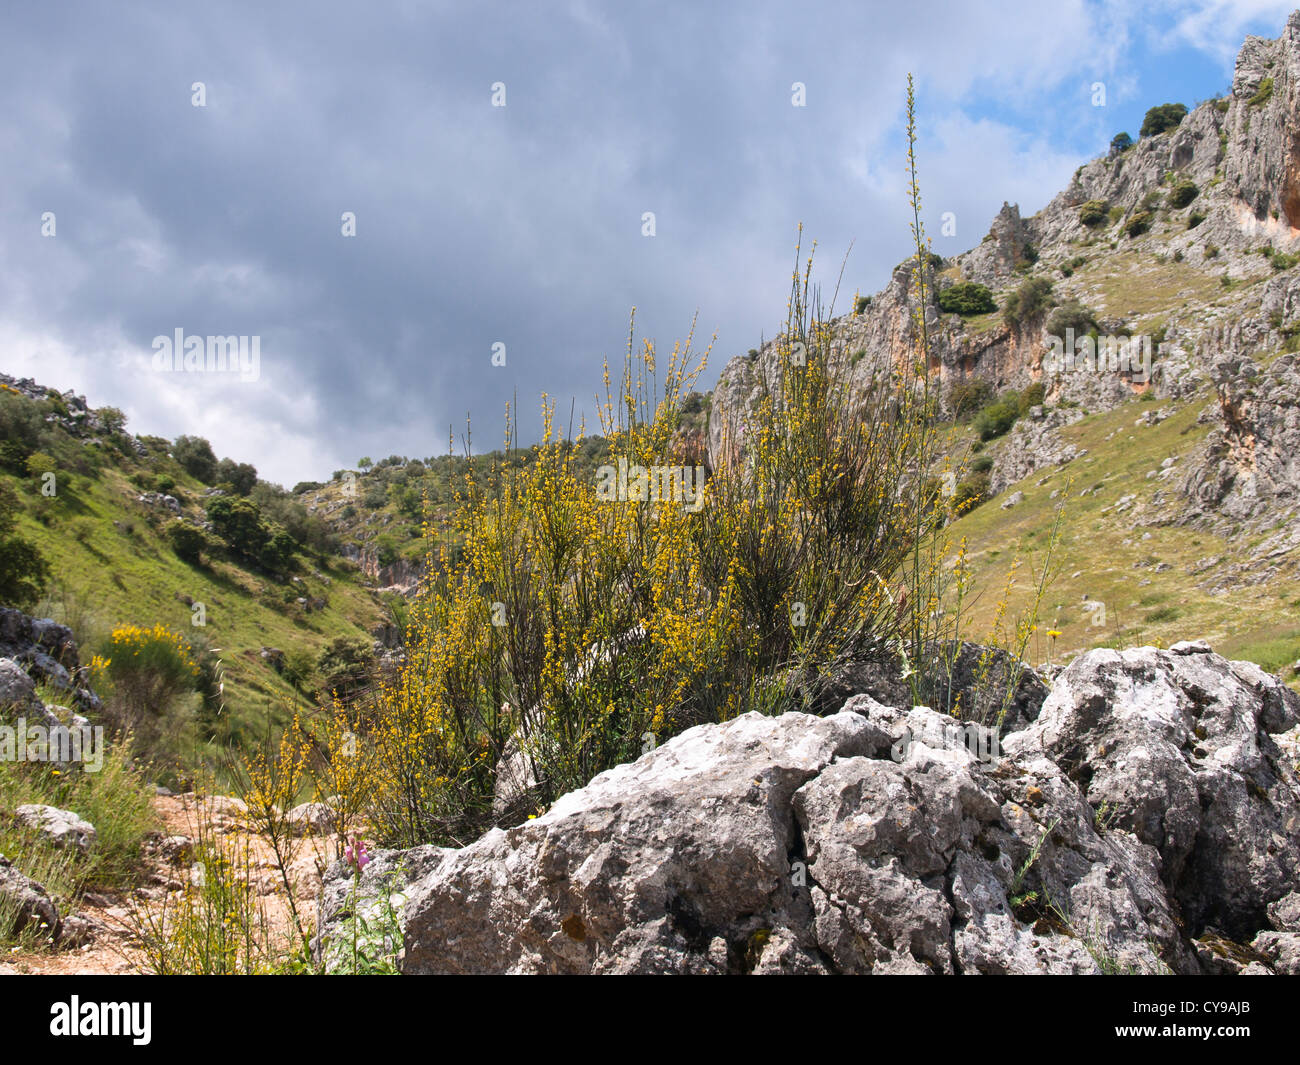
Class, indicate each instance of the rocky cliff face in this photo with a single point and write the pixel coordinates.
(1250, 465)
(1209, 280)
(402, 576)
(1146, 820)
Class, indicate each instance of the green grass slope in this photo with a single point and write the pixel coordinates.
(1122, 545)
(113, 564)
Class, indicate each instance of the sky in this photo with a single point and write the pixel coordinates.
(340, 185)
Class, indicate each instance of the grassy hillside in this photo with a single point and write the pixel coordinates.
(1122, 546)
(104, 529)
(379, 511)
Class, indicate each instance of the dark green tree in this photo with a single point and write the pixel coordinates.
(24, 571)
(196, 458)
(966, 298)
(241, 476)
(277, 554)
(239, 524)
(187, 541)
(1027, 302)
(1164, 117)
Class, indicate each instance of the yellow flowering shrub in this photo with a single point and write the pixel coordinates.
(575, 625)
(144, 672)
(581, 624)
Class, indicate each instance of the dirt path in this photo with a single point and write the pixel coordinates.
(112, 946)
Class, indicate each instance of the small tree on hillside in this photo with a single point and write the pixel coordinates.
(24, 571)
(966, 298)
(195, 457)
(241, 476)
(1162, 118)
(239, 523)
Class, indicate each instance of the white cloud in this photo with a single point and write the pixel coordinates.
(476, 225)
(1217, 27)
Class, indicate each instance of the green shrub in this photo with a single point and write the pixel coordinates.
(277, 555)
(1162, 118)
(111, 420)
(1093, 213)
(300, 667)
(695, 403)
(861, 304)
(981, 464)
(1262, 94)
(144, 674)
(307, 529)
(385, 549)
(24, 570)
(997, 418)
(1026, 303)
(345, 667)
(1138, 224)
(195, 457)
(1183, 193)
(1033, 396)
(39, 464)
(187, 541)
(13, 457)
(240, 476)
(1071, 315)
(239, 524)
(968, 397)
(1121, 142)
(1277, 259)
(966, 298)
(971, 493)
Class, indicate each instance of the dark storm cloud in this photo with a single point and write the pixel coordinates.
(474, 224)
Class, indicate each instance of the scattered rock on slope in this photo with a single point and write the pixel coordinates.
(25, 901)
(63, 828)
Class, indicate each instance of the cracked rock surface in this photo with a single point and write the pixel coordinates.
(1147, 821)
